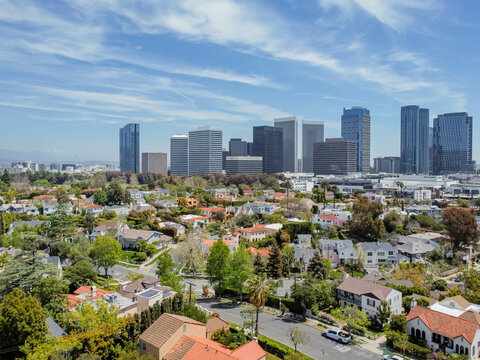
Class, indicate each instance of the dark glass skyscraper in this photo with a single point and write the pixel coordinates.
(414, 139)
(335, 157)
(268, 143)
(237, 147)
(130, 148)
(312, 132)
(204, 151)
(290, 142)
(452, 144)
(356, 127)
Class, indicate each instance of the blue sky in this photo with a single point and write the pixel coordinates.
(73, 72)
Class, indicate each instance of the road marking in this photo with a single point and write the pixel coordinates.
(342, 348)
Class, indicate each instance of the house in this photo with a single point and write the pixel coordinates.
(44, 199)
(96, 210)
(173, 225)
(129, 289)
(253, 234)
(255, 252)
(367, 296)
(303, 253)
(212, 211)
(167, 203)
(413, 248)
(326, 220)
(173, 337)
(146, 292)
(92, 295)
(378, 254)
(118, 209)
(207, 245)
(375, 198)
(191, 202)
(338, 252)
(341, 215)
(430, 210)
(107, 228)
(263, 207)
(215, 324)
(19, 209)
(431, 238)
(31, 223)
(128, 238)
(195, 220)
(54, 328)
(139, 207)
(272, 229)
(444, 332)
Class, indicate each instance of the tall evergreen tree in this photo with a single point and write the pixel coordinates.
(217, 266)
(275, 265)
(318, 267)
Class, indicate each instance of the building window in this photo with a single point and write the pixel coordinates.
(184, 327)
(369, 253)
(423, 335)
(412, 331)
(390, 253)
(381, 253)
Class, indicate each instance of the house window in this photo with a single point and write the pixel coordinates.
(423, 335)
(412, 331)
(369, 253)
(184, 327)
(369, 261)
(381, 253)
(390, 253)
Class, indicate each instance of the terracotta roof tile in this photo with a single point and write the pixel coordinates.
(249, 351)
(447, 325)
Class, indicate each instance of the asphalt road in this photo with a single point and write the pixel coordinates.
(276, 327)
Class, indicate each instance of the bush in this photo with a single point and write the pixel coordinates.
(327, 318)
(274, 347)
(274, 302)
(397, 340)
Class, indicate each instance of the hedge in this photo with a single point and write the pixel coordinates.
(396, 340)
(274, 302)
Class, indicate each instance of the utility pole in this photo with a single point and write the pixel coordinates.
(190, 293)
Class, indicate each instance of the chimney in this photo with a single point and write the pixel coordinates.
(94, 291)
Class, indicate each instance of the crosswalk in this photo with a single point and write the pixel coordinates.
(342, 348)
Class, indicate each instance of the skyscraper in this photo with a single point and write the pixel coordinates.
(356, 127)
(290, 142)
(243, 165)
(204, 151)
(452, 144)
(335, 157)
(388, 164)
(179, 155)
(155, 163)
(130, 148)
(414, 139)
(237, 147)
(268, 143)
(312, 132)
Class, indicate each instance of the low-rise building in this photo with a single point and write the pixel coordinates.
(367, 296)
(325, 220)
(128, 238)
(413, 248)
(96, 210)
(338, 252)
(253, 234)
(262, 207)
(195, 220)
(377, 254)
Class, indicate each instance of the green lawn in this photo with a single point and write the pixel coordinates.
(128, 256)
(154, 259)
(128, 265)
(271, 357)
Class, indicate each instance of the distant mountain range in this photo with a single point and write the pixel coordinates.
(47, 158)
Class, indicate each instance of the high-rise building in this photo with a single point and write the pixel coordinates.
(452, 144)
(414, 139)
(179, 155)
(356, 127)
(130, 148)
(237, 147)
(204, 151)
(268, 143)
(430, 150)
(312, 132)
(388, 164)
(250, 148)
(225, 153)
(290, 142)
(335, 157)
(250, 165)
(155, 163)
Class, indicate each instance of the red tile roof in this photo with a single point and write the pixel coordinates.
(263, 252)
(213, 209)
(446, 325)
(249, 351)
(44, 197)
(327, 217)
(75, 300)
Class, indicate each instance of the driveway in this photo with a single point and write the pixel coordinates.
(276, 327)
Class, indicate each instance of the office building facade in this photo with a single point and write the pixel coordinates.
(388, 164)
(237, 147)
(290, 142)
(249, 165)
(130, 148)
(268, 143)
(179, 155)
(414, 139)
(335, 157)
(452, 144)
(204, 151)
(356, 127)
(155, 163)
(312, 132)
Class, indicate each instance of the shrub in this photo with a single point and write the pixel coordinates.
(327, 318)
(274, 347)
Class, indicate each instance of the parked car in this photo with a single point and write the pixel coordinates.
(337, 335)
(392, 357)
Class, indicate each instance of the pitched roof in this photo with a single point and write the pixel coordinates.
(254, 251)
(362, 287)
(90, 206)
(447, 325)
(327, 217)
(135, 234)
(164, 327)
(471, 316)
(106, 225)
(215, 323)
(140, 284)
(249, 351)
(459, 299)
(213, 209)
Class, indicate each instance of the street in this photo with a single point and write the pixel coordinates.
(276, 327)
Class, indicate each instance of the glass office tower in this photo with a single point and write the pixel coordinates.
(312, 132)
(414, 139)
(356, 127)
(130, 148)
(204, 151)
(179, 155)
(290, 142)
(268, 143)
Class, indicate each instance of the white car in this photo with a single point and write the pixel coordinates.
(337, 335)
(392, 357)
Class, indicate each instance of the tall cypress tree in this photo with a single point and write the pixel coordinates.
(275, 265)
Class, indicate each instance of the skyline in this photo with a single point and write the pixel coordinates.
(74, 73)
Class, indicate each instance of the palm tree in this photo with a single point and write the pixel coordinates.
(259, 288)
(401, 185)
(324, 185)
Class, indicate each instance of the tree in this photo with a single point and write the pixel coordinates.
(106, 252)
(141, 245)
(384, 312)
(353, 318)
(259, 289)
(62, 224)
(461, 226)
(319, 267)
(398, 323)
(217, 266)
(80, 274)
(88, 316)
(6, 177)
(288, 259)
(304, 296)
(100, 197)
(365, 224)
(297, 337)
(440, 284)
(89, 222)
(246, 221)
(116, 195)
(274, 266)
(51, 294)
(260, 265)
(189, 252)
(324, 185)
(391, 221)
(168, 272)
(21, 320)
(42, 183)
(62, 196)
(131, 276)
(409, 271)
(240, 269)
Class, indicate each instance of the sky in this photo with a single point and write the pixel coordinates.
(73, 72)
